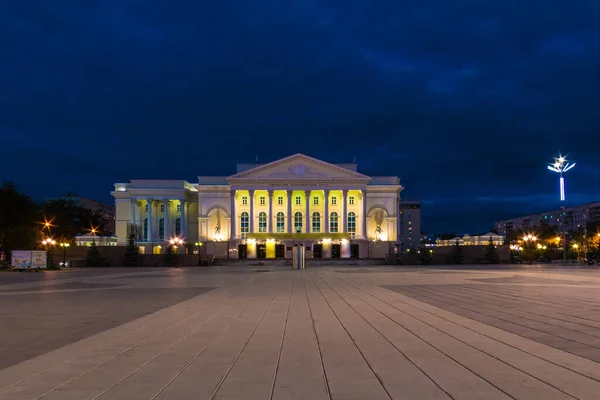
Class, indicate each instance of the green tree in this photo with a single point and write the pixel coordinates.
(93, 256)
(132, 252)
(19, 221)
(170, 255)
(457, 253)
(491, 254)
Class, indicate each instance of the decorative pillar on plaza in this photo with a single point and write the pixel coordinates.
(233, 215)
(270, 218)
(167, 223)
(344, 213)
(251, 230)
(307, 219)
(182, 231)
(289, 210)
(363, 220)
(326, 219)
(149, 202)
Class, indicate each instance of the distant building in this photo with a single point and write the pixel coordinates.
(88, 239)
(410, 224)
(575, 217)
(468, 240)
(105, 210)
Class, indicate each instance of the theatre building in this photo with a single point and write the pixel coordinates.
(263, 210)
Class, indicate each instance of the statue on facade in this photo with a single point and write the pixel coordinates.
(218, 225)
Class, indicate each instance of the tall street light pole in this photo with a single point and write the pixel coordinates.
(561, 166)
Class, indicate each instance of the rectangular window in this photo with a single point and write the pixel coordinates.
(316, 201)
(178, 207)
(162, 208)
(351, 200)
(263, 200)
(146, 207)
(298, 200)
(333, 201)
(280, 200)
(244, 200)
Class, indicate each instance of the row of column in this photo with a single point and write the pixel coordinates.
(136, 215)
(307, 218)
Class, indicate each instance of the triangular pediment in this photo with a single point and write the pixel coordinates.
(299, 167)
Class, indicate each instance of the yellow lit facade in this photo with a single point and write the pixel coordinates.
(264, 209)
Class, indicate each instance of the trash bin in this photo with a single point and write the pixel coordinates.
(298, 257)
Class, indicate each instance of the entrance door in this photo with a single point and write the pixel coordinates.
(280, 251)
(336, 251)
(317, 250)
(242, 251)
(261, 251)
(354, 250)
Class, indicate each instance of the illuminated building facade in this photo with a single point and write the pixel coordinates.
(264, 209)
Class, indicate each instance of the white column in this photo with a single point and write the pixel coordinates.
(150, 236)
(363, 219)
(344, 216)
(270, 217)
(289, 211)
(133, 201)
(139, 219)
(182, 234)
(307, 219)
(233, 214)
(251, 227)
(167, 221)
(326, 219)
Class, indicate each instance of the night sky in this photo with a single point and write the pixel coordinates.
(466, 101)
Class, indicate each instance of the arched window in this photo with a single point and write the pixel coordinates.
(280, 222)
(178, 227)
(161, 228)
(316, 222)
(146, 237)
(298, 222)
(352, 222)
(262, 221)
(333, 222)
(244, 222)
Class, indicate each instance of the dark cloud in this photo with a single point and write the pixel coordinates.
(465, 100)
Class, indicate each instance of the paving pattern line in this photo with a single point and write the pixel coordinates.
(205, 347)
(164, 350)
(119, 337)
(242, 349)
(125, 352)
(351, 338)
(479, 311)
(287, 314)
(468, 344)
(316, 336)
(389, 341)
(521, 305)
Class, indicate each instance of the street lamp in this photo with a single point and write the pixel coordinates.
(48, 242)
(529, 239)
(561, 166)
(176, 242)
(199, 245)
(64, 245)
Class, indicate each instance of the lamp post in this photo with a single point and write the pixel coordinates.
(47, 243)
(529, 239)
(199, 245)
(561, 166)
(176, 242)
(64, 245)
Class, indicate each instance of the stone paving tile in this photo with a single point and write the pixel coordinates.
(327, 333)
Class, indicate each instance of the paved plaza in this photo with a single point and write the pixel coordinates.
(323, 333)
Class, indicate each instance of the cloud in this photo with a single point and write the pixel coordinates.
(460, 99)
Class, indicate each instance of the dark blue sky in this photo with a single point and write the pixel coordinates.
(464, 100)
